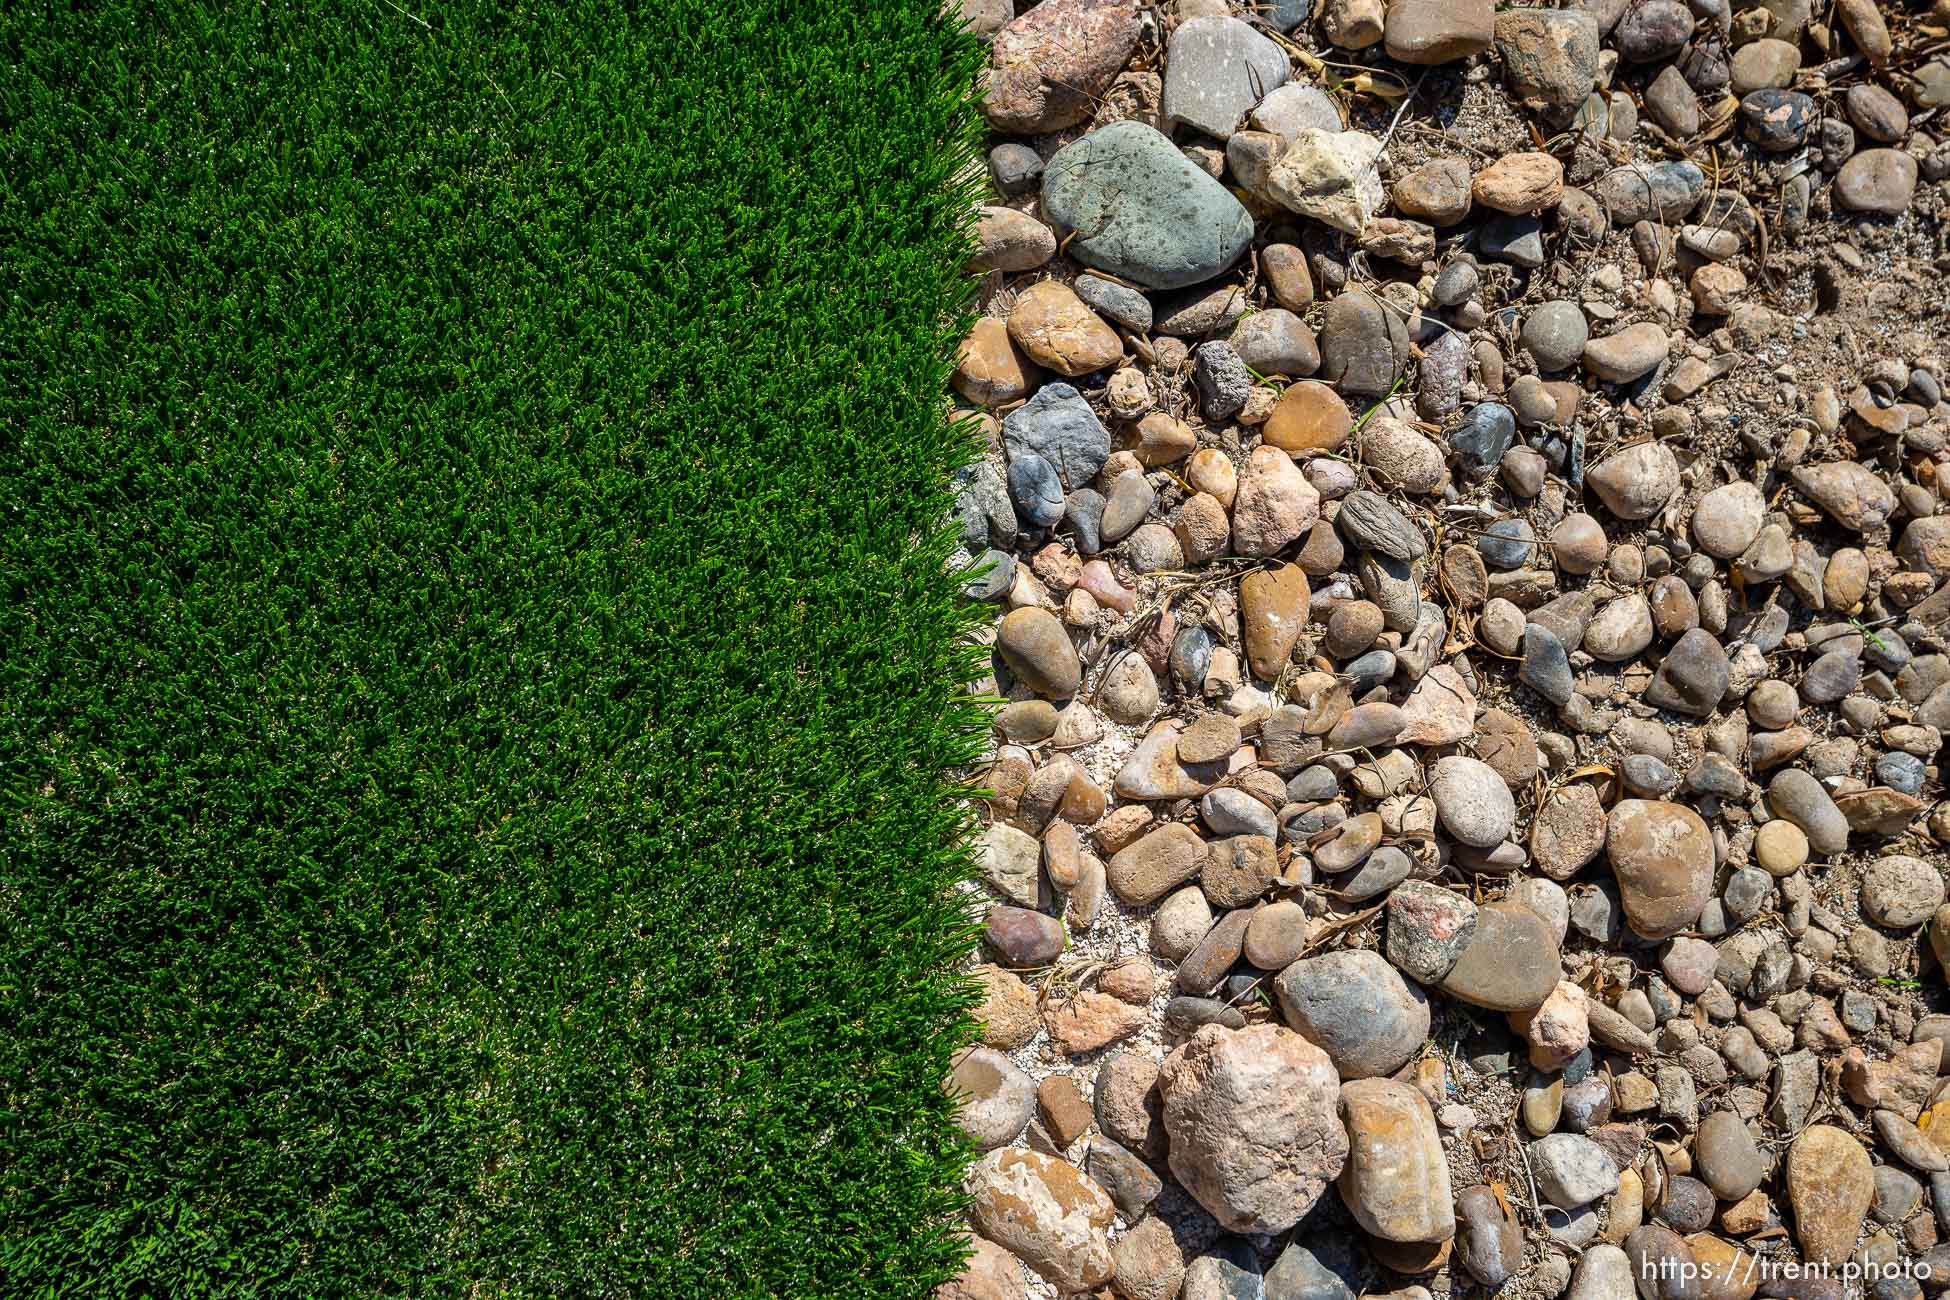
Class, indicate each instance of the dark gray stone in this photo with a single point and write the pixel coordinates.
(993, 583)
(1485, 433)
(1299, 1274)
(1776, 120)
(1035, 490)
(1223, 381)
(1372, 523)
(1362, 344)
(1131, 1183)
(1015, 167)
(1693, 677)
(1507, 544)
(1083, 509)
(1518, 240)
(1058, 425)
(1546, 668)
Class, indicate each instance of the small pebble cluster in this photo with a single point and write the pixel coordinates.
(1467, 512)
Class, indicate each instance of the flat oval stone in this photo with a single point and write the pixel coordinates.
(1664, 191)
(1396, 1179)
(1037, 649)
(1727, 1157)
(1621, 630)
(1149, 868)
(1022, 938)
(1662, 1263)
(1490, 1242)
(1473, 802)
(1366, 726)
(1799, 798)
(1372, 523)
(1626, 355)
(1830, 1185)
(1555, 334)
(1348, 844)
(1205, 968)
(1877, 180)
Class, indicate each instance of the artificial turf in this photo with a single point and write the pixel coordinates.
(476, 668)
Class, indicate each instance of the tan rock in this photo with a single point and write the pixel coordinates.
(1726, 1271)
(1662, 856)
(1046, 1212)
(990, 370)
(1272, 614)
(1091, 1020)
(1275, 503)
(1008, 240)
(1154, 770)
(1144, 872)
(1310, 416)
(1058, 331)
(1520, 182)
(1830, 1185)
(991, 1273)
(1008, 1011)
(1329, 176)
(1037, 649)
(1150, 1262)
(1396, 1179)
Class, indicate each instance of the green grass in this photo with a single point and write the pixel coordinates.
(475, 666)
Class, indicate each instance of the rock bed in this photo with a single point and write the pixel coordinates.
(1466, 515)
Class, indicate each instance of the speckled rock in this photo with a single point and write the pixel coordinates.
(1045, 1211)
(1255, 1133)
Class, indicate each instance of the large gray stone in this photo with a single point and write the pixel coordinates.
(1142, 210)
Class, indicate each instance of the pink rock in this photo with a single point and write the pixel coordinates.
(1253, 1118)
(1091, 1020)
(1048, 66)
(1099, 581)
(1275, 503)
(1441, 710)
(1559, 1029)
